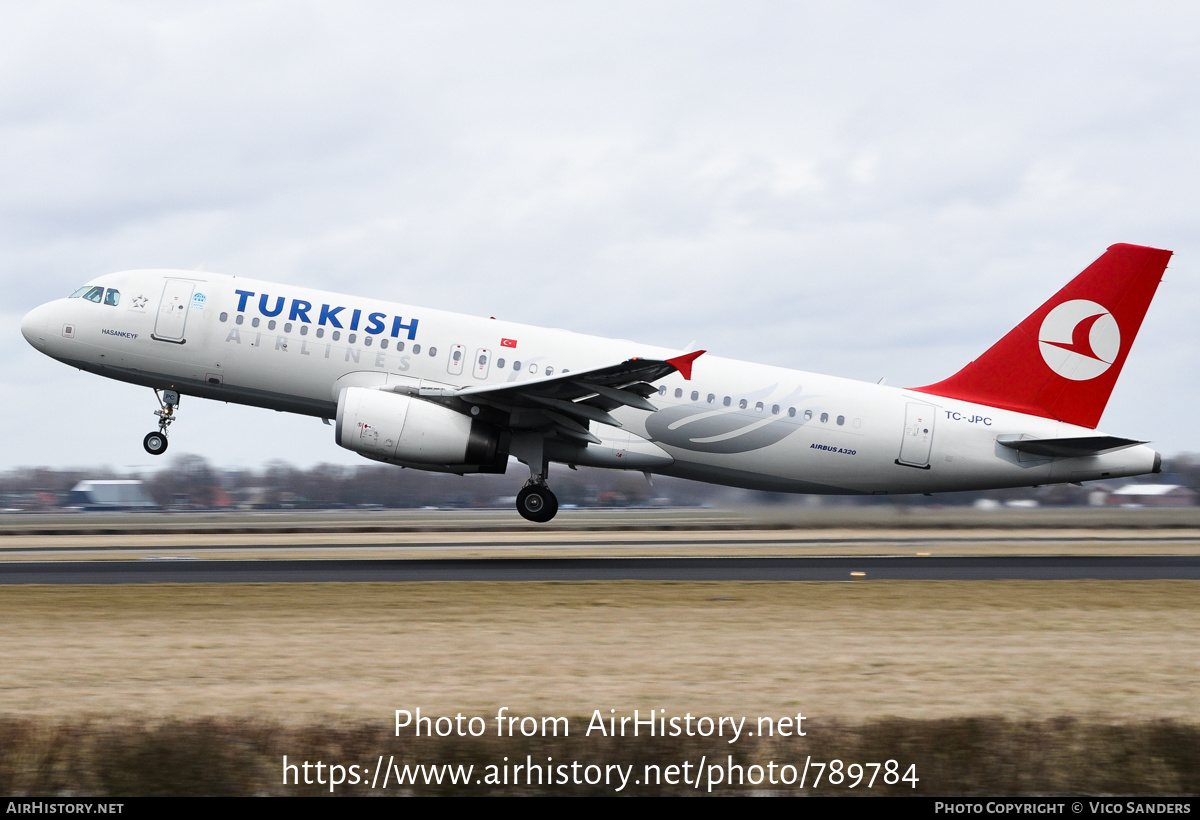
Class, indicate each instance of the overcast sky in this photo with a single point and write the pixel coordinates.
(864, 189)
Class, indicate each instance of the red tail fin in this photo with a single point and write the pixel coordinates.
(1063, 361)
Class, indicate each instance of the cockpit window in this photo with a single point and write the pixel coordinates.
(93, 293)
(112, 297)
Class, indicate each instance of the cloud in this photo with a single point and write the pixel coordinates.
(860, 189)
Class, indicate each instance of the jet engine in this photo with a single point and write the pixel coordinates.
(413, 432)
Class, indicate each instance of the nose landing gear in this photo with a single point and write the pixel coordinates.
(156, 443)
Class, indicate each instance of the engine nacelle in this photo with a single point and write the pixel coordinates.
(392, 427)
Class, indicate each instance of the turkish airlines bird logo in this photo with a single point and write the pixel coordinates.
(1079, 340)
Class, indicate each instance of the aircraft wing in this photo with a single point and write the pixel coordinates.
(566, 402)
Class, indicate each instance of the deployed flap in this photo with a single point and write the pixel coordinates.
(1068, 447)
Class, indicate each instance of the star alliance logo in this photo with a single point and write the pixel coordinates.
(140, 301)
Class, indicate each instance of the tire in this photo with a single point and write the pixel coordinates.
(537, 504)
(155, 443)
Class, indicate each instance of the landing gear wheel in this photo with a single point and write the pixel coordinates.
(537, 504)
(155, 443)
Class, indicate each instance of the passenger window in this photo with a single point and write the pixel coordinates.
(695, 396)
(416, 348)
(841, 420)
(271, 325)
(758, 407)
(792, 412)
(304, 332)
(337, 334)
(352, 338)
(367, 341)
(320, 330)
(662, 390)
(516, 366)
(112, 297)
(711, 398)
(679, 392)
(499, 364)
(743, 404)
(399, 345)
(240, 318)
(432, 352)
(457, 355)
(727, 401)
(224, 317)
(824, 418)
(532, 367)
(549, 371)
(774, 409)
(808, 415)
(382, 342)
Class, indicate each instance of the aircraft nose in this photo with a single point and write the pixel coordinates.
(33, 326)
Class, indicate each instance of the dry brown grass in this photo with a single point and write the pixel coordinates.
(964, 756)
(854, 652)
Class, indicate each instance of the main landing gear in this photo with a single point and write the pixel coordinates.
(156, 443)
(536, 503)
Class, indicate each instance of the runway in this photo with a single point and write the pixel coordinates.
(856, 569)
(575, 541)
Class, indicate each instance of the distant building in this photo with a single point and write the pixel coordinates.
(119, 494)
(1153, 495)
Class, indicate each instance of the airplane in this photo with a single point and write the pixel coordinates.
(440, 391)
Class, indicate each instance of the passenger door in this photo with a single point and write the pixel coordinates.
(918, 435)
(173, 311)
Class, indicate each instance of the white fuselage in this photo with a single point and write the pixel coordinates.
(736, 423)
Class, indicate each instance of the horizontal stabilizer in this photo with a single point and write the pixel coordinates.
(1068, 447)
